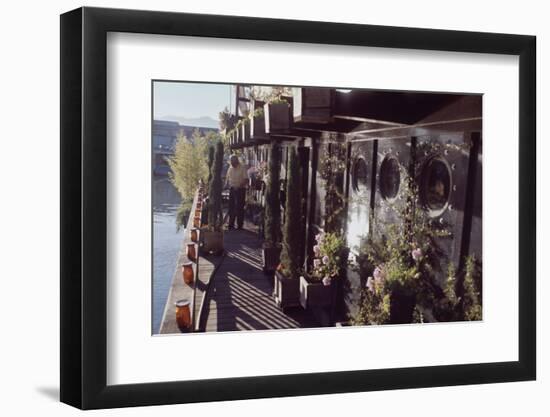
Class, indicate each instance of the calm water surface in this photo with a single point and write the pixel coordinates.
(166, 244)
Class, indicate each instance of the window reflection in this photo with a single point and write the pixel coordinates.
(435, 184)
(360, 174)
(390, 178)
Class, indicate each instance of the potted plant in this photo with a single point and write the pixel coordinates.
(400, 267)
(258, 175)
(272, 213)
(286, 280)
(277, 115)
(317, 287)
(204, 200)
(211, 237)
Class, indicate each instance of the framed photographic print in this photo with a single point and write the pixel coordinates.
(257, 208)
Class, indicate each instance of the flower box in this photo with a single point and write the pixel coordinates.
(270, 258)
(245, 132)
(277, 117)
(257, 121)
(315, 294)
(211, 242)
(286, 291)
(313, 105)
(401, 307)
(238, 136)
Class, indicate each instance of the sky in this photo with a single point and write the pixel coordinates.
(190, 100)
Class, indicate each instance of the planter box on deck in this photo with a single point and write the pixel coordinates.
(270, 259)
(211, 243)
(314, 294)
(286, 291)
(401, 307)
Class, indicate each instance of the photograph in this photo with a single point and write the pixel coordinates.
(280, 207)
(291, 203)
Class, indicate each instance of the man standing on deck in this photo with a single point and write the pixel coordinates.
(236, 180)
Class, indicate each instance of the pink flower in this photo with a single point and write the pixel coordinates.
(327, 281)
(326, 260)
(320, 237)
(370, 284)
(379, 274)
(317, 250)
(316, 263)
(416, 254)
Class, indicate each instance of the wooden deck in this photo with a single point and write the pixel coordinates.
(239, 296)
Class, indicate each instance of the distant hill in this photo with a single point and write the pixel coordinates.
(204, 121)
(165, 133)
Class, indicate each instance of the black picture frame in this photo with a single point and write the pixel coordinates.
(84, 207)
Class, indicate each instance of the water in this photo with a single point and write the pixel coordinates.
(166, 244)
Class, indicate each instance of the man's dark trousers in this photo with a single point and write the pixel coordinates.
(236, 206)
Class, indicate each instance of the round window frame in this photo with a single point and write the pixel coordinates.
(363, 189)
(422, 181)
(383, 194)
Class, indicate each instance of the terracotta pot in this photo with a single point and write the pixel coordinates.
(196, 222)
(183, 314)
(191, 252)
(188, 273)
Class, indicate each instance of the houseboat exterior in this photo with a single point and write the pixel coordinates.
(359, 150)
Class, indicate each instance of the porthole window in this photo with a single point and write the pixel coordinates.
(390, 177)
(360, 175)
(435, 185)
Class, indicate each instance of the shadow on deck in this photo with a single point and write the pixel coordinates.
(239, 297)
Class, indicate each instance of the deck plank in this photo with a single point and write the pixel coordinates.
(239, 296)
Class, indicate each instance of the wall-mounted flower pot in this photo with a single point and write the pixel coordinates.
(270, 258)
(277, 117)
(315, 294)
(211, 242)
(313, 105)
(286, 291)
